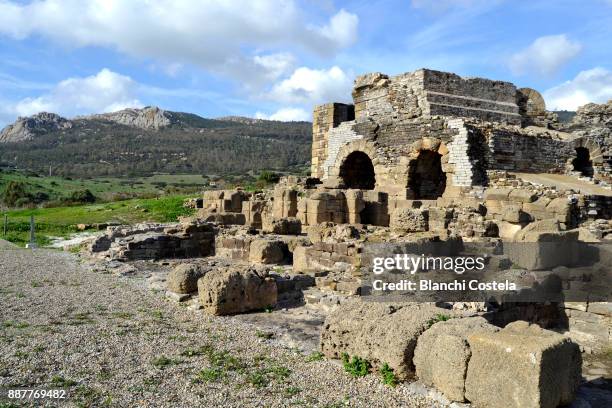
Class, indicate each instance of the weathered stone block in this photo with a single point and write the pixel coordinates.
(236, 289)
(522, 366)
(184, 278)
(300, 259)
(379, 332)
(285, 226)
(267, 251)
(409, 220)
(538, 246)
(523, 196)
(442, 354)
(497, 194)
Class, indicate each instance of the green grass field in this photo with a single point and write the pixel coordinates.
(157, 198)
(61, 221)
(107, 189)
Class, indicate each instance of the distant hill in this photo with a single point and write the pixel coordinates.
(149, 140)
(565, 116)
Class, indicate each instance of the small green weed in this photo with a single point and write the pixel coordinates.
(121, 315)
(388, 376)
(438, 318)
(315, 356)
(209, 375)
(258, 379)
(61, 382)
(292, 391)
(204, 350)
(357, 366)
(264, 335)
(162, 362)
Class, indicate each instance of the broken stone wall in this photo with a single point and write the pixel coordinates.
(336, 138)
(449, 94)
(515, 151)
(326, 117)
(179, 241)
(429, 93)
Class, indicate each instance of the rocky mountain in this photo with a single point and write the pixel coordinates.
(149, 117)
(26, 128)
(149, 140)
(240, 119)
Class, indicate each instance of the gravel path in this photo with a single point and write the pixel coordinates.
(112, 342)
(6, 245)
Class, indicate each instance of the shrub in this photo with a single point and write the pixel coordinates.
(268, 177)
(40, 197)
(357, 366)
(83, 196)
(15, 194)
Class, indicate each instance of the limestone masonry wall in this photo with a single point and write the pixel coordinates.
(519, 152)
(474, 124)
(325, 118)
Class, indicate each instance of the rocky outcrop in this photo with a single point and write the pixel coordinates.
(150, 117)
(26, 128)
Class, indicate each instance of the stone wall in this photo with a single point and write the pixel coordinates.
(186, 240)
(326, 117)
(428, 93)
(465, 155)
(336, 138)
(517, 151)
(593, 124)
(448, 94)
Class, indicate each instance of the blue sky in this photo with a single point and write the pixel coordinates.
(276, 59)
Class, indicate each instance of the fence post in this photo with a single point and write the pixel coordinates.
(32, 243)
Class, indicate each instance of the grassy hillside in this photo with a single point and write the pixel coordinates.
(100, 148)
(62, 221)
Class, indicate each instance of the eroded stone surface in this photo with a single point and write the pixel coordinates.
(522, 366)
(236, 289)
(442, 354)
(377, 331)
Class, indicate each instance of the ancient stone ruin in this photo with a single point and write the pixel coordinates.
(420, 159)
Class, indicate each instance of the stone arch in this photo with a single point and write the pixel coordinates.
(428, 170)
(582, 162)
(357, 171)
(587, 157)
(366, 148)
(531, 104)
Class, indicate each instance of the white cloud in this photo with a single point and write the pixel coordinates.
(107, 91)
(286, 115)
(311, 86)
(275, 65)
(545, 55)
(593, 85)
(342, 29)
(219, 35)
